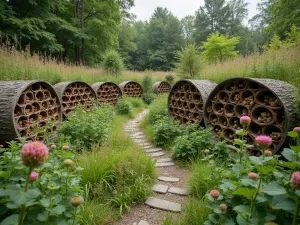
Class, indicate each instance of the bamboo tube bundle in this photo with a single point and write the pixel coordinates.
(74, 93)
(29, 109)
(189, 96)
(131, 89)
(107, 92)
(269, 103)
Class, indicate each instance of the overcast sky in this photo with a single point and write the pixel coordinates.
(144, 8)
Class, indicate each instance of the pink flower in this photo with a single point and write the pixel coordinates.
(215, 194)
(263, 141)
(297, 129)
(206, 151)
(223, 207)
(34, 176)
(245, 120)
(34, 154)
(296, 180)
(252, 175)
(27, 125)
(268, 153)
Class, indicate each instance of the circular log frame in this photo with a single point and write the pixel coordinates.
(29, 109)
(131, 89)
(187, 98)
(162, 87)
(269, 103)
(107, 92)
(74, 93)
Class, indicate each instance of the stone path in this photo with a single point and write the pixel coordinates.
(169, 192)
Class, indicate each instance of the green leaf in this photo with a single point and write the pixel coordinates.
(20, 197)
(11, 220)
(43, 216)
(58, 210)
(295, 148)
(273, 189)
(4, 173)
(256, 160)
(284, 203)
(246, 192)
(293, 134)
(45, 202)
(239, 142)
(241, 132)
(288, 154)
(290, 165)
(242, 209)
(249, 182)
(264, 170)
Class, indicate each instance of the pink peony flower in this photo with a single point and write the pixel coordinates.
(34, 176)
(263, 141)
(268, 152)
(297, 129)
(223, 207)
(34, 154)
(245, 120)
(252, 175)
(206, 151)
(65, 147)
(296, 180)
(215, 194)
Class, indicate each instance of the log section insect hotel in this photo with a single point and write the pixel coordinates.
(162, 87)
(107, 92)
(131, 89)
(269, 103)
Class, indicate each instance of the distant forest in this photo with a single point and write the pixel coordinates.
(80, 32)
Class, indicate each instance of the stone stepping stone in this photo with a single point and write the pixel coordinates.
(148, 146)
(142, 222)
(157, 154)
(143, 144)
(163, 160)
(165, 164)
(163, 204)
(178, 191)
(137, 137)
(168, 179)
(160, 188)
(151, 150)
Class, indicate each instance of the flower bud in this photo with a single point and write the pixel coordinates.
(76, 201)
(223, 207)
(68, 162)
(297, 129)
(206, 151)
(65, 147)
(268, 153)
(53, 146)
(263, 141)
(245, 120)
(215, 194)
(34, 176)
(295, 180)
(252, 175)
(34, 154)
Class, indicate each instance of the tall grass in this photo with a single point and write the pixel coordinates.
(282, 64)
(21, 65)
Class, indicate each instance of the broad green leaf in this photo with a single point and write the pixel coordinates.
(20, 197)
(4, 173)
(242, 209)
(288, 154)
(290, 165)
(43, 216)
(295, 148)
(293, 134)
(227, 221)
(241, 220)
(58, 210)
(241, 132)
(45, 202)
(249, 182)
(214, 217)
(11, 220)
(239, 142)
(283, 202)
(273, 189)
(264, 170)
(247, 192)
(256, 160)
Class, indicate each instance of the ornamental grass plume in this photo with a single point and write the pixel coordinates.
(295, 180)
(215, 194)
(34, 176)
(245, 121)
(253, 176)
(34, 154)
(263, 141)
(223, 207)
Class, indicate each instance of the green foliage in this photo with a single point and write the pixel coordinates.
(135, 102)
(147, 84)
(190, 62)
(192, 144)
(219, 48)
(165, 130)
(170, 78)
(123, 107)
(158, 109)
(88, 126)
(48, 198)
(188, 23)
(113, 62)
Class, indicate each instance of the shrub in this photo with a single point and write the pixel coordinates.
(86, 127)
(113, 62)
(158, 109)
(170, 78)
(193, 144)
(147, 84)
(149, 97)
(165, 130)
(190, 62)
(48, 198)
(123, 107)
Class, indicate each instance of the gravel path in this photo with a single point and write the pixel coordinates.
(141, 213)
